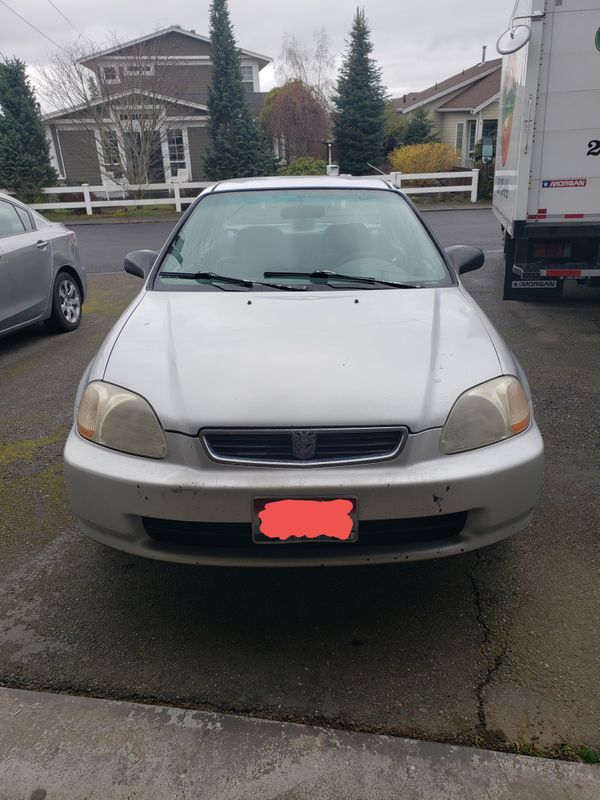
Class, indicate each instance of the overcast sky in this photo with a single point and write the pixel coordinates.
(416, 42)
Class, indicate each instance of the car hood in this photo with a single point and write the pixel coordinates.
(374, 357)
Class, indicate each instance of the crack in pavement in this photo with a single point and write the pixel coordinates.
(494, 660)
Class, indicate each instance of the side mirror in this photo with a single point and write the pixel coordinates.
(140, 262)
(465, 258)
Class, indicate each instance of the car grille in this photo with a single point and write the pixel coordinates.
(371, 533)
(299, 447)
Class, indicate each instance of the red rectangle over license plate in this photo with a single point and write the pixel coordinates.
(311, 520)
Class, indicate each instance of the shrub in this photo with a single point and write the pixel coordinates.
(306, 165)
(430, 157)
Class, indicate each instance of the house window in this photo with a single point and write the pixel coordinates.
(176, 150)
(472, 132)
(460, 133)
(110, 74)
(139, 69)
(490, 128)
(110, 153)
(247, 74)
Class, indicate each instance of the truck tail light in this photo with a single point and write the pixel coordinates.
(552, 250)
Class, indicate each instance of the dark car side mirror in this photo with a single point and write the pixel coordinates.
(465, 258)
(140, 262)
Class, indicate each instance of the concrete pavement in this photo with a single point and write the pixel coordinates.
(60, 748)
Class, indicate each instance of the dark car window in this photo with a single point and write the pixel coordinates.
(25, 218)
(360, 232)
(10, 222)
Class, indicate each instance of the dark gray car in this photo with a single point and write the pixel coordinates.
(41, 276)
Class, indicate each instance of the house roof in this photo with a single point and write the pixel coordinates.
(476, 96)
(263, 60)
(65, 112)
(466, 78)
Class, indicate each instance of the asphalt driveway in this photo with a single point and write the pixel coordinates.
(493, 648)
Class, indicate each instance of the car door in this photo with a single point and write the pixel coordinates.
(5, 296)
(27, 261)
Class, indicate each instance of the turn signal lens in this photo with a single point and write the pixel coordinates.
(485, 414)
(122, 420)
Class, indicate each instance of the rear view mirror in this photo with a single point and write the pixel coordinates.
(465, 258)
(302, 212)
(140, 262)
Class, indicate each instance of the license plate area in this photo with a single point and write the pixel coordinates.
(297, 520)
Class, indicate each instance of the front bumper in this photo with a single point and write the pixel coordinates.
(112, 493)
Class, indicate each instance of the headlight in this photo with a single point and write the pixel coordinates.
(491, 412)
(119, 419)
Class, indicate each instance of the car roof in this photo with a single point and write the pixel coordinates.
(302, 182)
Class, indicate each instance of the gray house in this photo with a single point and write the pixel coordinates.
(157, 83)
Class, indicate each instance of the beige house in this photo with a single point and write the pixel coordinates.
(464, 108)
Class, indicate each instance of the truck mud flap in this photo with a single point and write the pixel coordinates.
(537, 290)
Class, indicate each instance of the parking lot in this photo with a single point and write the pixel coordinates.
(497, 648)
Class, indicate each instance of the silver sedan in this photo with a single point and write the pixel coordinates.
(303, 380)
(41, 275)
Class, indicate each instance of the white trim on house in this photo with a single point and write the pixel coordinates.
(160, 58)
(200, 122)
(163, 32)
(106, 100)
(255, 76)
(53, 155)
(443, 93)
(116, 79)
(134, 69)
(486, 103)
(165, 152)
(477, 110)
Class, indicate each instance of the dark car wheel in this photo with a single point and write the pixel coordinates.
(66, 304)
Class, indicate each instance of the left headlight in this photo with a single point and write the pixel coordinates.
(485, 414)
(122, 420)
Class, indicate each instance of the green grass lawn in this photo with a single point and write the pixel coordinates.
(125, 212)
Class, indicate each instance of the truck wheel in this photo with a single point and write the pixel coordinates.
(66, 304)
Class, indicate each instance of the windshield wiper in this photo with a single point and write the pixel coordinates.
(328, 274)
(211, 276)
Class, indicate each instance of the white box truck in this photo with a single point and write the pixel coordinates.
(547, 178)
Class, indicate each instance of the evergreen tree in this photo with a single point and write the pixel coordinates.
(360, 101)
(420, 128)
(24, 155)
(238, 147)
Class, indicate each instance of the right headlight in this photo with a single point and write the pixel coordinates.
(122, 420)
(485, 414)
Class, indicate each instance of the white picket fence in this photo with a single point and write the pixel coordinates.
(472, 176)
(91, 201)
(119, 196)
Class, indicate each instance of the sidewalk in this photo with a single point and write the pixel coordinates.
(69, 748)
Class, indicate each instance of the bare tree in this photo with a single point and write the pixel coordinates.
(296, 118)
(313, 65)
(123, 104)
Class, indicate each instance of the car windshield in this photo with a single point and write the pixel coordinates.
(318, 238)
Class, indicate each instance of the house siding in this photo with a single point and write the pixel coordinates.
(449, 123)
(491, 111)
(198, 142)
(80, 157)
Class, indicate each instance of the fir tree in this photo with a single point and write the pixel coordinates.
(420, 128)
(360, 101)
(24, 152)
(238, 148)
